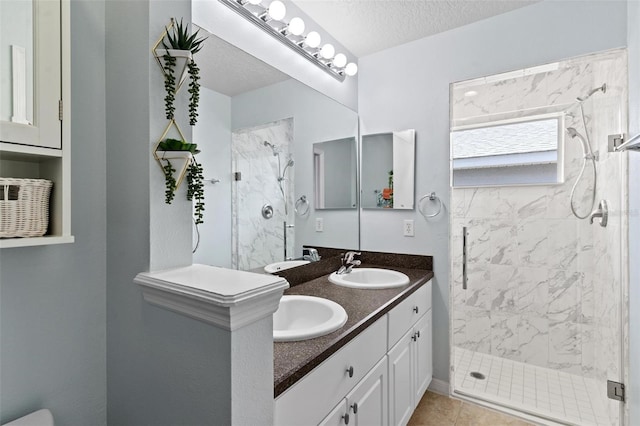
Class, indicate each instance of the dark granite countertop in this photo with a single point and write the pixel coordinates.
(293, 360)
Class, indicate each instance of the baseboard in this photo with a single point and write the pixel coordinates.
(439, 386)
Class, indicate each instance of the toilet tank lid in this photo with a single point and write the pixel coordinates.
(39, 418)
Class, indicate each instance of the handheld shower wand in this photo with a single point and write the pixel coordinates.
(587, 156)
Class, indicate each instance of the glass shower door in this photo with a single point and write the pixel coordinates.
(539, 327)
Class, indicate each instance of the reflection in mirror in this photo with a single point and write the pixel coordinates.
(388, 170)
(257, 131)
(509, 152)
(16, 46)
(334, 171)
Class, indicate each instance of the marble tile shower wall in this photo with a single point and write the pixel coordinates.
(257, 241)
(543, 286)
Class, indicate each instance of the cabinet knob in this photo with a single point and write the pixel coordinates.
(350, 371)
(346, 418)
(415, 309)
(354, 407)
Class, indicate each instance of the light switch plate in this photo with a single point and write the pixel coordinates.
(319, 224)
(408, 228)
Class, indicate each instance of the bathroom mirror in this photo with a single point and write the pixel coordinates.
(388, 170)
(258, 130)
(334, 173)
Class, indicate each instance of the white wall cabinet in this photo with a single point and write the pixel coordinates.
(40, 149)
(386, 384)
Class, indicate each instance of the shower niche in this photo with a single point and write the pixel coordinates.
(537, 290)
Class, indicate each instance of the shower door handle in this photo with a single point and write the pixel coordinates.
(464, 257)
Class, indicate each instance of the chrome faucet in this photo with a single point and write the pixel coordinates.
(348, 262)
(310, 254)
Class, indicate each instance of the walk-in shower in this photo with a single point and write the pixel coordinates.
(537, 296)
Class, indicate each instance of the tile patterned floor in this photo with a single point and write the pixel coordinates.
(560, 396)
(440, 410)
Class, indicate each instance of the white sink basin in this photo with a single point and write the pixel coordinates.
(370, 278)
(306, 317)
(281, 266)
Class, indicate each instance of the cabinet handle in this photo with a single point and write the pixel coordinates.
(350, 371)
(354, 407)
(346, 418)
(415, 309)
(418, 333)
(414, 337)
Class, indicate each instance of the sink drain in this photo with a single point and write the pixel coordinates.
(477, 375)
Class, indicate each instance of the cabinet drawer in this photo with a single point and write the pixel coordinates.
(403, 316)
(309, 400)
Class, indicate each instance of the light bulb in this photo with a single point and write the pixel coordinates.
(351, 69)
(327, 51)
(277, 10)
(340, 60)
(313, 39)
(296, 26)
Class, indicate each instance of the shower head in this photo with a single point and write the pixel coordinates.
(588, 95)
(290, 163)
(272, 146)
(586, 150)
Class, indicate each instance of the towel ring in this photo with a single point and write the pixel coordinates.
(431, 197)
(302, 201)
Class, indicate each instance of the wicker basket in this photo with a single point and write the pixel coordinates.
(24, 207)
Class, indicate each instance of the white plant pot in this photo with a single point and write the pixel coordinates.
(183, 58)
(180, 161)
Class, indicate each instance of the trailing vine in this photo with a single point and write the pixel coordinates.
(169, 86)
(170, 182)
(195, 189)
(194, 92)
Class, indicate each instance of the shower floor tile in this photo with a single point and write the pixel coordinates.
(559, 396)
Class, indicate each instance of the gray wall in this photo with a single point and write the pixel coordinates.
(213, 136)
(163, 368)
(52, 309)
(633, 22)
(388, 84)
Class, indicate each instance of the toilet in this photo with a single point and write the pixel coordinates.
(37, 418)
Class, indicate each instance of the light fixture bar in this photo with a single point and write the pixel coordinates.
(238, 7)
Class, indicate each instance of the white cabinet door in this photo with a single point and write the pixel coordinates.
(339, 416)
(423, 356)
(401, 381)
(367, 403)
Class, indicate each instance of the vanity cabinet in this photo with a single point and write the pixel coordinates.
(376, 379)
(366, 404)
(410, 370)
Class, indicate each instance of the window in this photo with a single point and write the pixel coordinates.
(514, 152)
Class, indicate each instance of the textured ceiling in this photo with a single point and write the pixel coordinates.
(231, 71)
(362, 26)
(368, 26)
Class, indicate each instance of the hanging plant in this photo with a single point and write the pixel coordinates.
(195, 177)
(178, 38)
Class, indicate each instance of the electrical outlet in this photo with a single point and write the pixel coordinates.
(319, 224)
(408, 228)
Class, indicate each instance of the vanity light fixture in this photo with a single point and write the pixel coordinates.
(270, 19)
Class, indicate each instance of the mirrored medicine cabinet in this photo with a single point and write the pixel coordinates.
(335, 174)
(388, 170)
